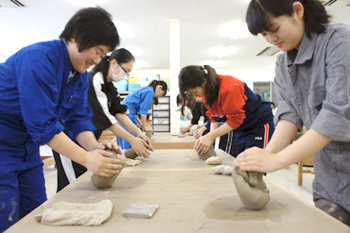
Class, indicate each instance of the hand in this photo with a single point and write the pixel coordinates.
(140, 147)
(199, 131)
(202, 144)
(110, 145)
(99, 162)
(148, 127)
(147, 140)
(183, 130)
(257, 159)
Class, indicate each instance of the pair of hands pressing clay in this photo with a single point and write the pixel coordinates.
(251, 188)
(105, 182)
(210, 153)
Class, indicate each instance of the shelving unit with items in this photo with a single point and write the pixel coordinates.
(161, 115)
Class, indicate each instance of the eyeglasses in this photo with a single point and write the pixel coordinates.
(127, 74)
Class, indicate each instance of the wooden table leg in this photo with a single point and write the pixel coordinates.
(300, 173)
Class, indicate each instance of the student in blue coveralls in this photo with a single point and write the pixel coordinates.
(44, 91)
(313, 90)
(104, 101)
(232, 105)
(139, 102)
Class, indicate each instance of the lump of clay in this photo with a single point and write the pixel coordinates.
(214, 160)
(208, 154)
(149, 134)
(251, 189)
(104, 182)
(130, 154)
(222, 169)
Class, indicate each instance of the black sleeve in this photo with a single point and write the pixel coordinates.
(196, 113)
(116, 106)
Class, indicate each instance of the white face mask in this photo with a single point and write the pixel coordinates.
(119, 77)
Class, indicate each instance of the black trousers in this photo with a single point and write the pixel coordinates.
(66, 173)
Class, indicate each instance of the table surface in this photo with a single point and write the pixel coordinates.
(171, 137)
(191, 199)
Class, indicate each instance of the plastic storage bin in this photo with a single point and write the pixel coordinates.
(133, 87)
(122, 85)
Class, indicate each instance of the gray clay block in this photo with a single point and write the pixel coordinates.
(211, 152)
(130, 154)
(104, 182)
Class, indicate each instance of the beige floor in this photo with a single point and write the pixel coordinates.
(285, 178)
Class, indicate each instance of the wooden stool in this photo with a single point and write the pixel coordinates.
(301, 170)
(48, 161)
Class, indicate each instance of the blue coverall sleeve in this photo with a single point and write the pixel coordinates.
(39, 95)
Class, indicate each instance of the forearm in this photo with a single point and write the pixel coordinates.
(282, 137)
(70, 149)
(308, 144)
(213, 126)
(189, 127)
(143, 120)
(87, 140)
(127, 123)
(219, 131)
(121, 132)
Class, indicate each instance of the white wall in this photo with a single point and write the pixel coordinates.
(249, 76)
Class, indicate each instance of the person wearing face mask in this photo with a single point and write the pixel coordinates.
(139, 102)
(104, 101)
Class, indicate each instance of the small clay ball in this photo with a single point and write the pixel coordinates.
(130, 154)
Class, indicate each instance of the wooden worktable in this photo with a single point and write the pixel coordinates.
(172, 141)
(190, 198)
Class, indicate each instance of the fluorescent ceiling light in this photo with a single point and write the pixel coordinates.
(140, 64)
(215, 63)
(235, 30)
(222, 51)
(124, 30)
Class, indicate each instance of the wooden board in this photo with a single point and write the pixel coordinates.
(191, 199)
(172, 141)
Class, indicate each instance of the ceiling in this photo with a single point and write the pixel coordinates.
(144, 28)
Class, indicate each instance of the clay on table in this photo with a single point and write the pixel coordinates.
(211, 152)
(130, 154)
(104, 182)
(251, 188)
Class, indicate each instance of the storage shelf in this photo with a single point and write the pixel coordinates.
(164, 102)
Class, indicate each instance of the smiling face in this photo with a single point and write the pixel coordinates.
(287, 31)
(82, 60)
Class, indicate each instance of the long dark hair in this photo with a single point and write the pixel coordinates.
(90, 27)
(194, 76)
(189, 102)
(259, 12)
(155, 83)
(121, 55)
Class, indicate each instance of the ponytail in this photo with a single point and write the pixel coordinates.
(155, 83)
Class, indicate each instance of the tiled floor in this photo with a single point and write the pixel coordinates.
(285, 178)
